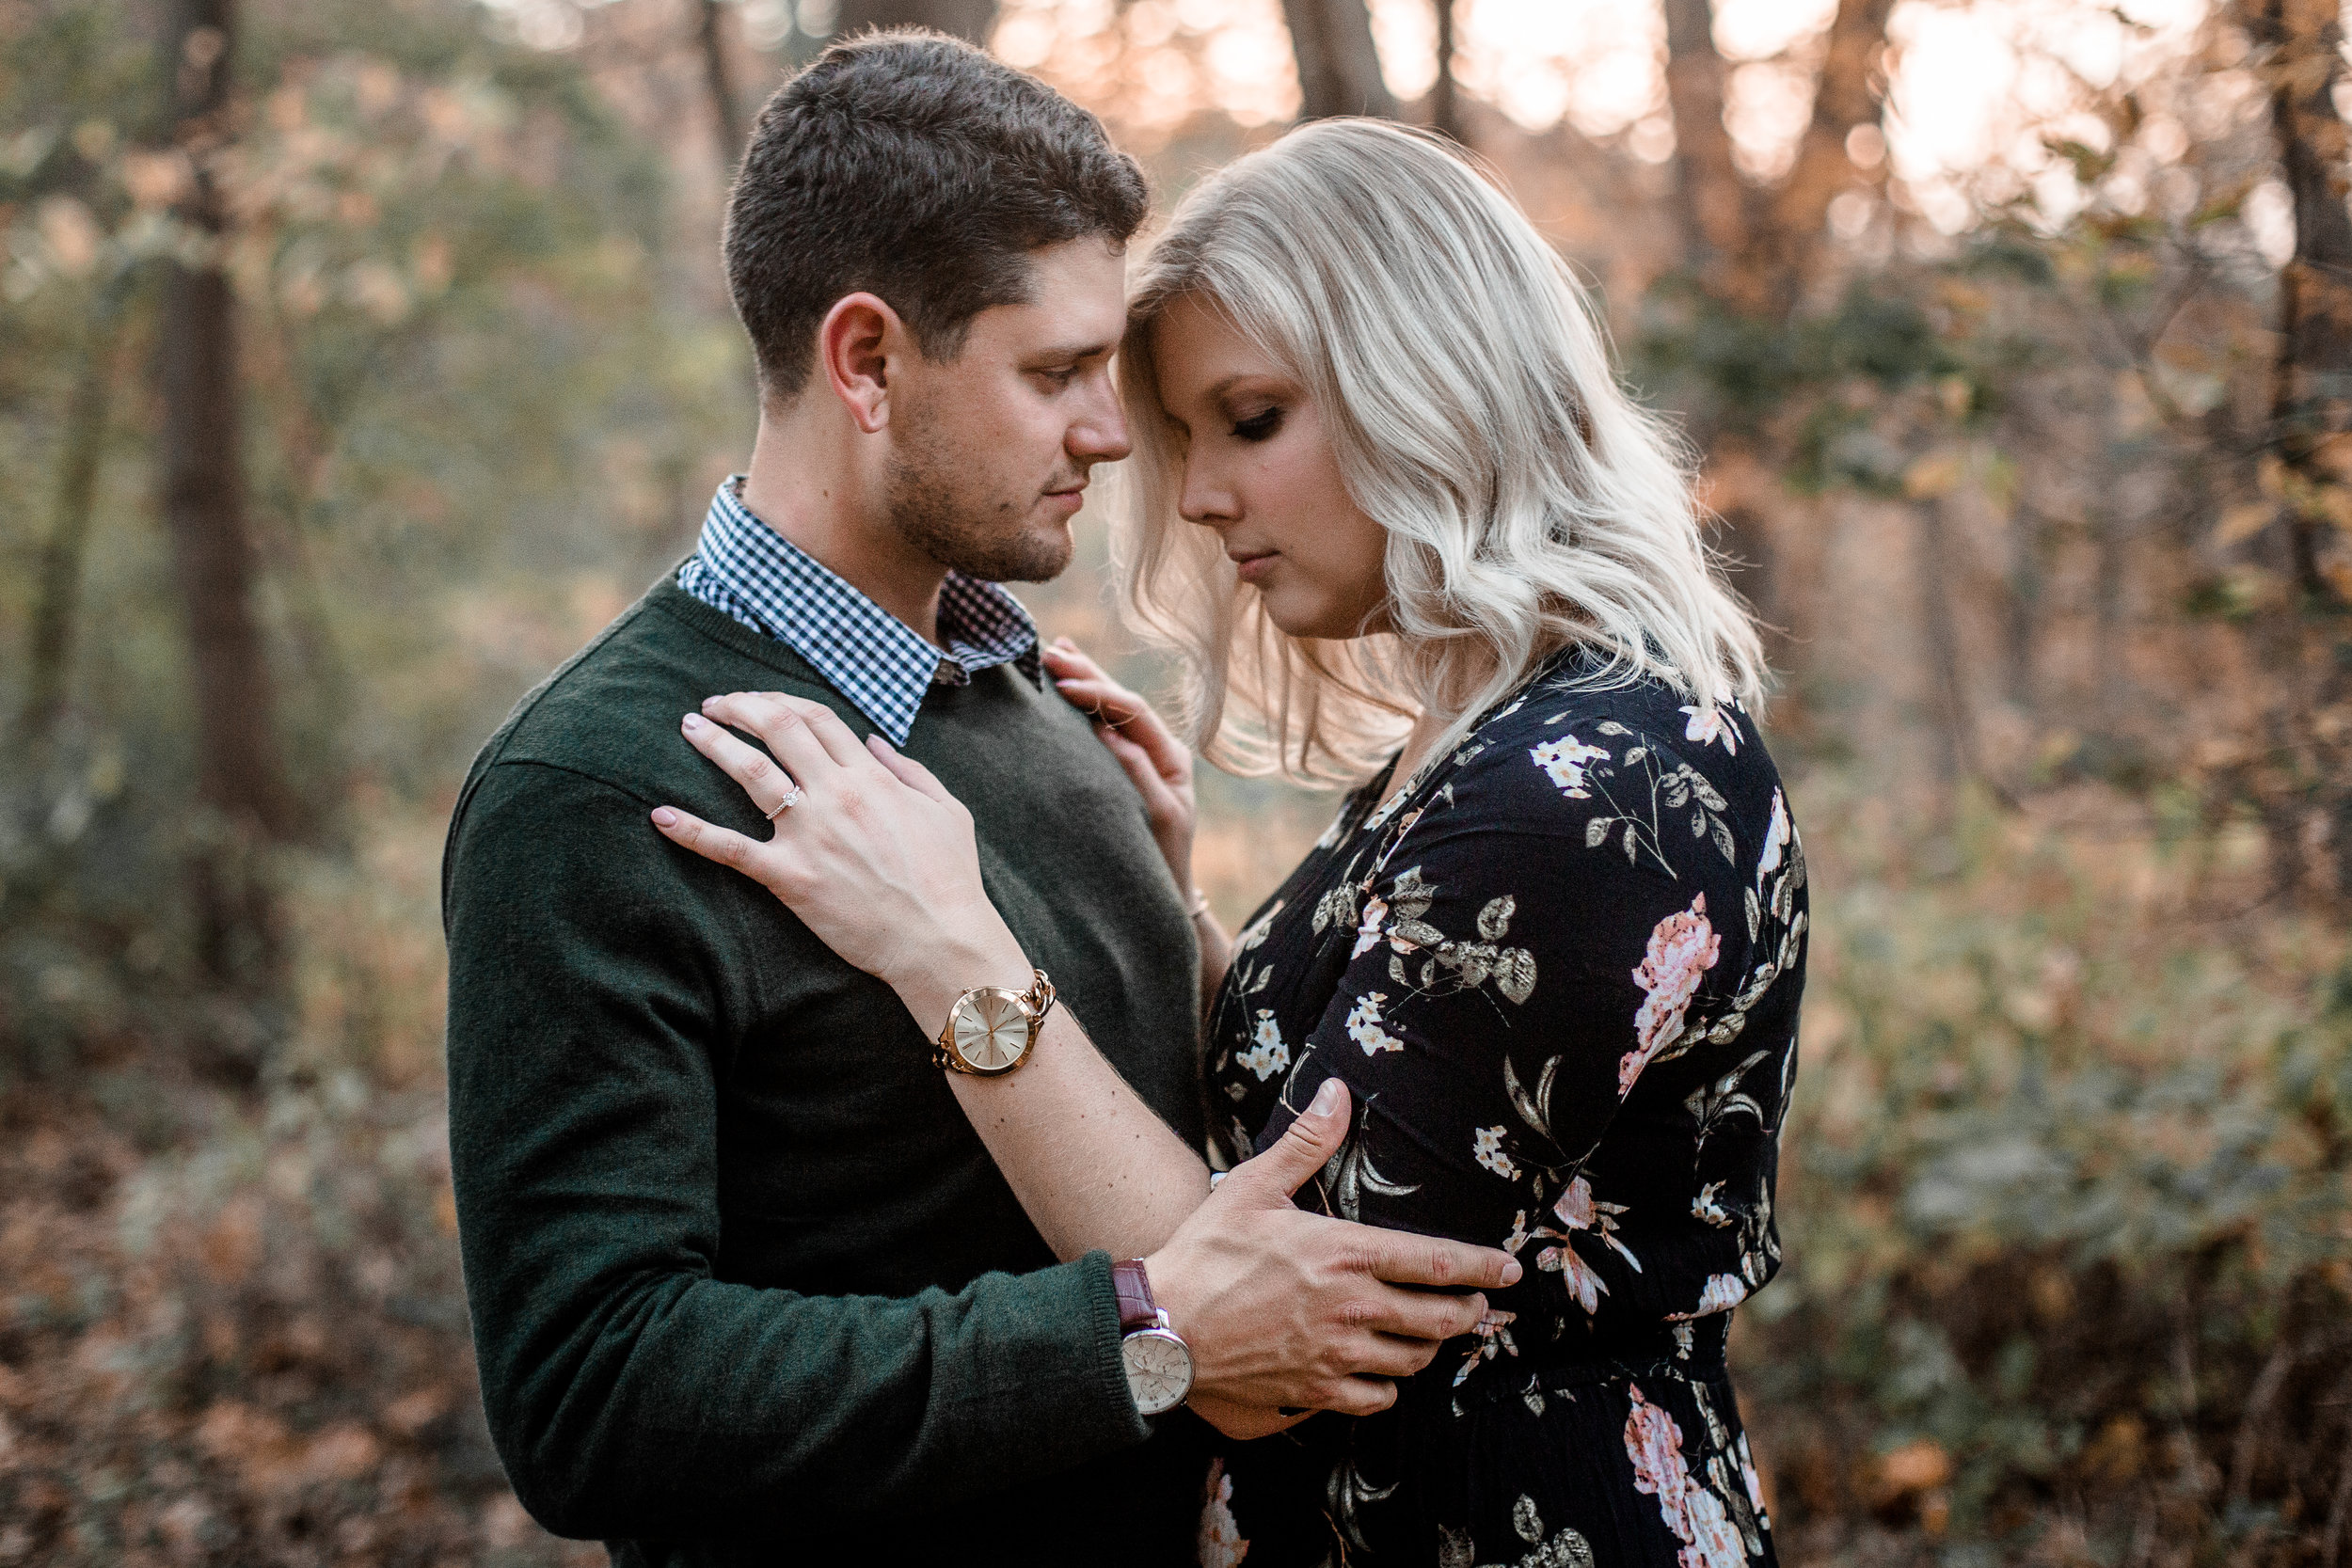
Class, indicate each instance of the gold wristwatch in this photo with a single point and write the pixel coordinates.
(990, 1030)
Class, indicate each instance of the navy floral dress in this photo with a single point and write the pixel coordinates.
(1560, 973)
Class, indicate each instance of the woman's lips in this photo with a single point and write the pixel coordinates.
(1249, 568)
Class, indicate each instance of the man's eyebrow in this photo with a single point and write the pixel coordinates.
(1076, 351)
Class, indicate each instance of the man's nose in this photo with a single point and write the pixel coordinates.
(1100, 433)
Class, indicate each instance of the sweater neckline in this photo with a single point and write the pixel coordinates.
(666, 596)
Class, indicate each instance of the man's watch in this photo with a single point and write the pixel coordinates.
(1159, 1365)
(990, 1030)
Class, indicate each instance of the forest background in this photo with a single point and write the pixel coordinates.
(357, 360)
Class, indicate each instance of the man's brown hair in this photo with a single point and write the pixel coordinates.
(911, 166)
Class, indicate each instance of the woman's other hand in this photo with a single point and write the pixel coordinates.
(1158, 764)
(875, 856)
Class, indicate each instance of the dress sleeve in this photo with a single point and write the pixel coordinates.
(1521, 950)
(632, 1393)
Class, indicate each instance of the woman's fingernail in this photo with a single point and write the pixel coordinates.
(664, 818)
(1512, 1272)
(693, 721)
(1327, 1099)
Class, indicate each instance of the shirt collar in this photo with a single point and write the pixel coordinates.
(874, 659)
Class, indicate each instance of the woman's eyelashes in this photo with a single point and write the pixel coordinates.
(1259, 426)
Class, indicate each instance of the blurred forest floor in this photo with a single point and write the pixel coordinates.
(2045, 501)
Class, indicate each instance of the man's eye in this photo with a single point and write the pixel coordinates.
(1259, 426)
(1062, 375)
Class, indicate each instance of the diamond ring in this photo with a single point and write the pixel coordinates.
(792, 799)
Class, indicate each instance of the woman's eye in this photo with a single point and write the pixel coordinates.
(1259, 426)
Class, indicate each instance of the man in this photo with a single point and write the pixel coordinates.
(746, 1285)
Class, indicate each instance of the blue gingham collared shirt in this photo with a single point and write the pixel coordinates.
(876, 661)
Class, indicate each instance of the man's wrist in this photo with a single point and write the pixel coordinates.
(1169, 1293)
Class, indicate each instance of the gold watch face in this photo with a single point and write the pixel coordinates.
(990, 1030)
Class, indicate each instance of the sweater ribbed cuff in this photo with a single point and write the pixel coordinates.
(1102, 1305)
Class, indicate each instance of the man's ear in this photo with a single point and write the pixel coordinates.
(855, 344)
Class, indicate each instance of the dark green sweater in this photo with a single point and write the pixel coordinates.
(746, 1286)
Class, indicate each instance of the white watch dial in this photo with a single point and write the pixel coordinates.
(992, 1031)
(1159, 1369)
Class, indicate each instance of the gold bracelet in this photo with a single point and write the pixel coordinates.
(1200, 904)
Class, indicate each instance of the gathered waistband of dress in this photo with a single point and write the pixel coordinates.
(1506, 1383)
(1596, 1361)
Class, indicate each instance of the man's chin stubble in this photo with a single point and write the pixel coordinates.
(939, 523)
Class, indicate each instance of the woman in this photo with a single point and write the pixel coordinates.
(1385, 482)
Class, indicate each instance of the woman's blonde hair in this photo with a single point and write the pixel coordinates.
(1467, 389)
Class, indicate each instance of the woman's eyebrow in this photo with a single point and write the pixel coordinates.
(1280, 383)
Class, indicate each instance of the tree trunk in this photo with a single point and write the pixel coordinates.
(1846, 96)
(2312, 401)
(1710, 200)
(1955, 728)
(1753, 252)
(1445, 103)
(1339, 69)
(57, 608)
(965, 18)
(2022, 608)
(719, 78)
(239, 772)
(2311, 427)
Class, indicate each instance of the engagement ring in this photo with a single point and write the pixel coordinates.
(792, 799)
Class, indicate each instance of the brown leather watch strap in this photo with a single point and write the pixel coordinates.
(1132, 1288)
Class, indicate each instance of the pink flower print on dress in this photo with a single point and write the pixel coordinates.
(1575, 1205)
(1698, 1518)
(1577, 1209)
(1220, 1544)
(1714, 1539)
(1722, 1292)
(1682, 948)
(1269, 1055)
(1777, 837)
(1368, 930)
(1363, 1024)
(1754, 1482)
(1563, 761)
(1576, 1273)
(1492, 1333)
(1595, 1212)
(1712, 724)
(1654, 1443)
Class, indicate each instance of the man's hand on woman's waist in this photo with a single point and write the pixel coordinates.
(1285, 1309)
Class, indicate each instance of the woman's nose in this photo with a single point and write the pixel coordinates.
(1205, 501)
